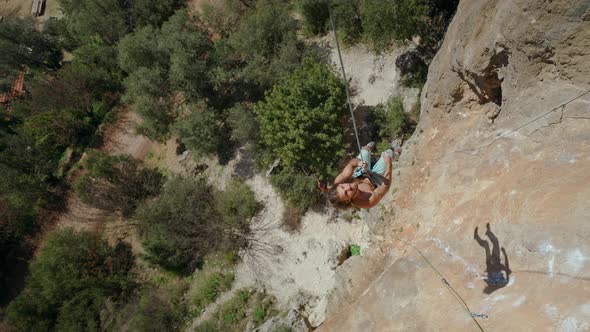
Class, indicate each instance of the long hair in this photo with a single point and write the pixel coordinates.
(337, 203)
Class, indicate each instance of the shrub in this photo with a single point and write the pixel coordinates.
(116, 183)
(298, 189)
(233, 314)
(69, 282)
(214, 285)
(23, 46)
(392, 122)
(244, 125)
(182, 225)
(156, 116)
(266, 42)
(200, 131)
(223, 17)
(315, 15)
(348, 21)
(151, 309)
(153, 12)
(90, 19)
(300, 120)
(237, 204)
(385, 22)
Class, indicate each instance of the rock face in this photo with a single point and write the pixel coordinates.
(495, 145)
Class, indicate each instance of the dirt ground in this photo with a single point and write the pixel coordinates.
(15, 7)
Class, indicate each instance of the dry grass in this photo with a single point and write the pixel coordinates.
(292, 218)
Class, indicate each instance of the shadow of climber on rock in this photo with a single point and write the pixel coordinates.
(498, 273)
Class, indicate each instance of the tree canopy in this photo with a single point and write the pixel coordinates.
(300, 119)
(70, 280)
(24, 47)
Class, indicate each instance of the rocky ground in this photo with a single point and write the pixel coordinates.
(493, 147)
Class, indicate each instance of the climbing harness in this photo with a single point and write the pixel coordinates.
(494, 279)
(360, 172)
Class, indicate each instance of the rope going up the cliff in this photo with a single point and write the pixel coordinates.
(356, 134)
(471, 314)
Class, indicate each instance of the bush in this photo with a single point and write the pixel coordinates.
(188, 48)
(150, 310)
(300, 120)
(90, 19)
(237, 205)
(266, 42)
(153, 12)
(24, 47)
(69, 283)
(116, 183)
(244, 125)
(223, 17)
(299, 190)
(392, 122)
(214, 285)
(413, 69)
(233, 314)
(400, 20)
(348, 21)
(315, 15)
(200, 131)
(182, 225)
(156, 116)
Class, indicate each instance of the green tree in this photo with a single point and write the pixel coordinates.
(24, 47)
(200, 131)
(223, 17)
(298, 189)
(388, 21)
(153, 12)
(54, 130)
(300, 119)
(391, 121)
(189, 49)
(348, 21)
(237, 205)
(116, 183)
(145, 83)
(156, 115)
(69, 282)
(147, 93)
(243, 123)
(141, 49)
(86, 19)
(266, 43)
(76, 87)
(182, 225)
(315, 14)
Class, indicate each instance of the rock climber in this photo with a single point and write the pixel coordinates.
(361, 185)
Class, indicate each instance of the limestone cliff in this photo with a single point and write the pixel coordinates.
(494, 145)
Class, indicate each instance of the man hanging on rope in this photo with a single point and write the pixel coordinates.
(361, 185)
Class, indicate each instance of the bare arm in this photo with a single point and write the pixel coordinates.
(347, 172)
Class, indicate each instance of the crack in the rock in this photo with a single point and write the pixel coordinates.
(562, 109)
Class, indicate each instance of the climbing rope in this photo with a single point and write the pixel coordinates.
(560, 106)
(471, 314)
(356, 134)
(444, 280)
